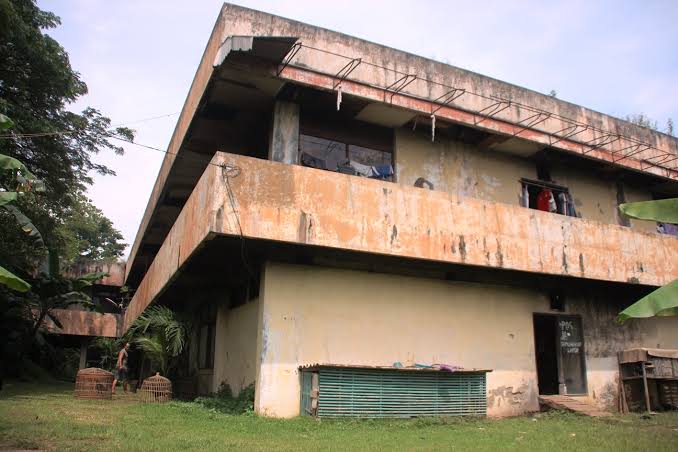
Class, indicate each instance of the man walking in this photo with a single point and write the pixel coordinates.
(121, 372)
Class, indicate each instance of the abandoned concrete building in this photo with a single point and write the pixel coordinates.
(340, 215)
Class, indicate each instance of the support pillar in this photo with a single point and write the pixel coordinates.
(284, 142)
(84, 343)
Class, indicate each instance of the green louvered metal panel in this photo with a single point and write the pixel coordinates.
(362, 392)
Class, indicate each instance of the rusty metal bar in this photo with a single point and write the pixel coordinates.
(399, 85)
(447, 98)
(497, 107)
(572, 131)
(492, 110)
(604, 141)
(532, 122)
(346, 71)
(290, 55)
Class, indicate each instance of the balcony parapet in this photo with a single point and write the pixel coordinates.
(287, 203)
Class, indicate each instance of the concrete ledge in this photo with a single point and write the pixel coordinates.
(294, 204)
(85, 323)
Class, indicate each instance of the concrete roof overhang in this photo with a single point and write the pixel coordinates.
(229, 104)
(227, 109)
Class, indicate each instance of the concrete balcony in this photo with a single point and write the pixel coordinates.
(296, 205)
(85, 323)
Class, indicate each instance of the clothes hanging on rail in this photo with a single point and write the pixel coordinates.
(571, 211)
(546, 201)
(525, 196)
(312, 162)
(667, 228)
(562, 203)
(363, 170)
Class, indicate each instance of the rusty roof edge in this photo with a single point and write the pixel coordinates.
(168, 160)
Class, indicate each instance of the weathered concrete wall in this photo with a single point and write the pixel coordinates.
(294, 204)
(324, 67)
(460, 169)
(319, 315)
(634, 193)
(313, 207)
(284, 139)
(595, 197)
(85, 323)
(604, 337)
(469, 171)
(115, 270)
(319, 70)
(235, 350)
(314, 315)
(198, 86)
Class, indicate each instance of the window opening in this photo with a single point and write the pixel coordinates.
(346, 158)
(547, 196)
(206, 336)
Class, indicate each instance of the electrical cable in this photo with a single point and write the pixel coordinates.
(68, 132)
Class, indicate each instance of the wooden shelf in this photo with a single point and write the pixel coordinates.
(649, 377)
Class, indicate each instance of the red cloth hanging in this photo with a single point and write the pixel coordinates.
(544, 199)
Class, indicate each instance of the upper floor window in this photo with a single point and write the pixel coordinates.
(342, 157)
(547, 196)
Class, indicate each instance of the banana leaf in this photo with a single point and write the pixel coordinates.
(26, 225)
(663, 210)
(12, 281)
(662, 302)
(5, 122)
(7, 197)
(8, 163)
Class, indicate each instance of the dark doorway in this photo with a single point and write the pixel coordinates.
(559, 350)
(546, 350)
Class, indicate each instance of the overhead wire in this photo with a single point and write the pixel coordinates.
(69, 132)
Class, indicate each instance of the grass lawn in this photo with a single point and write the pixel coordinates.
(46, 416)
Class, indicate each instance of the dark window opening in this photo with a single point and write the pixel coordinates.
(343, 157)
(206, 336)
(547, 196)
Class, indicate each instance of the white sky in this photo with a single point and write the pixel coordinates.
(138, 59)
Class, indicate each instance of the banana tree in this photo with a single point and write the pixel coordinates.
(17, 179)
(663, 301)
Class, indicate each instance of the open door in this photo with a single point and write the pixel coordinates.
(559, 352)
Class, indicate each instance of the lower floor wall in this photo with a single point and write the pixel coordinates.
(321, 315)
(309, 315)
(235, 346)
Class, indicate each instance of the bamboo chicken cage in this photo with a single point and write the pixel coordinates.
(93, 383)
(156, 389)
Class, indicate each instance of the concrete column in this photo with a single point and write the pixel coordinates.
(284, 142)
(84, 343)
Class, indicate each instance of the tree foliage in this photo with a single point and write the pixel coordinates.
(37, 84)
(87, 234)
(161, 335)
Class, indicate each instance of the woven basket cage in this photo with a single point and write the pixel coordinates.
(93, 383)
(156, 389)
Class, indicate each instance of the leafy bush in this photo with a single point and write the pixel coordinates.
(224, 402)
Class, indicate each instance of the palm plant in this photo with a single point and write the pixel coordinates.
(108, 349)
(161, 335)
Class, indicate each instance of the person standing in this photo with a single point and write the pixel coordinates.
(121, 368)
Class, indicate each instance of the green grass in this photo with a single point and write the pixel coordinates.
(46, 416)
